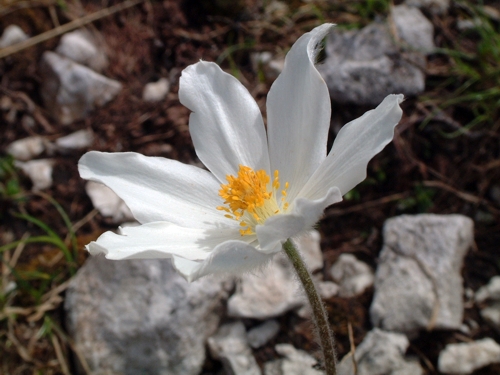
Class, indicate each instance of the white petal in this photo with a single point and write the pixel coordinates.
(158, 189)
(226, 124)
(298, 114)
(160, 240)
(355, 145)
(305, 214)
(229, 258)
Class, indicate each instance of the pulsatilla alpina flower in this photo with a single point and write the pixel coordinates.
(261, 189)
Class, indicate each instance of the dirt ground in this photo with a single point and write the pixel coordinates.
(435, 164)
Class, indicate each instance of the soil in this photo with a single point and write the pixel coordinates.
(421, 171)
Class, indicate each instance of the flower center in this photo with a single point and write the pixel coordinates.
(250, 198)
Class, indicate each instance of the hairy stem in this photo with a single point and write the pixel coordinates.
(319, 313)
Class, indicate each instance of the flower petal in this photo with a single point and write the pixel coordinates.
(305, 214)
(298, 114)
(158, 189)
(226, 124)
(355, 145)
(160, 240)
(229, 258)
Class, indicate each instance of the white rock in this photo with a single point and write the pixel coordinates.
(414, 28)
(328, 289)
(77, 140)
(266, 293)
(491, 291)
(156, 91)
(274, 290)
(364, 66)
(352, 275)
(260, 335)
(491, 314)
(12, 34)
(381, 353)
(296, 362)
(79, 46)
(108, 203)
(70, 90)
(434, 6)
(26, 148)
(39, 171)
(141, 317)
(410, 290)
(230, 345)
(464, 358)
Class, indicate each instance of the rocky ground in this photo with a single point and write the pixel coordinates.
(403, 290)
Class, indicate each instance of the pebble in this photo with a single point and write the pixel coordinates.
(108, 203)
(352, 275)
(156, 91)
(39, 171)
(410, 291)
(79, 46)
(27, 148)
(465, 358)
(12, 34)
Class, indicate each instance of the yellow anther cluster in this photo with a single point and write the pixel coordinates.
(247, 198)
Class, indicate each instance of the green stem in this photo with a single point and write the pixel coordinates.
(319, 313)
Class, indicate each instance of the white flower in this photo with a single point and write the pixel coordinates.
(261, 190)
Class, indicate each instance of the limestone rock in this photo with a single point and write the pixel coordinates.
(413, 28)
(230, 345)
(70, 90)
(410, 292)
(488, 297)
(108, 203)
(364, 66)
(260, 335)
(141, 317)
(80, 46)
(352, 275)
(296, 362)
(274, 290)
(156, 91)
(27, 148)
(74, 141)
(12, 34)
(381, 353)
(464, 358)
(39, 171)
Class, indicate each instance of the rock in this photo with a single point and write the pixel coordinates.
(274, 290)
(352, 275)
(79, 46)
(230, 345)
(267, 293)
(12, 34)
(381, 353)
(489, 296)
(39, 171)
(434, 6)
(490, 292)
(75, 141)
(108, 203)
(156, 91)
(70, 90)
(296, 362)
(414, 29)
(141, 317)
(26, 148)
(410, 290)
(328, 289)
(260, 335)
(364, 66)
(464, 358)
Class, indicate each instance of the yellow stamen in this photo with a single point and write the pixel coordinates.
(250, 198)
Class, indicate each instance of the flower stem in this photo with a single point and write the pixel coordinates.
(319, 313)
